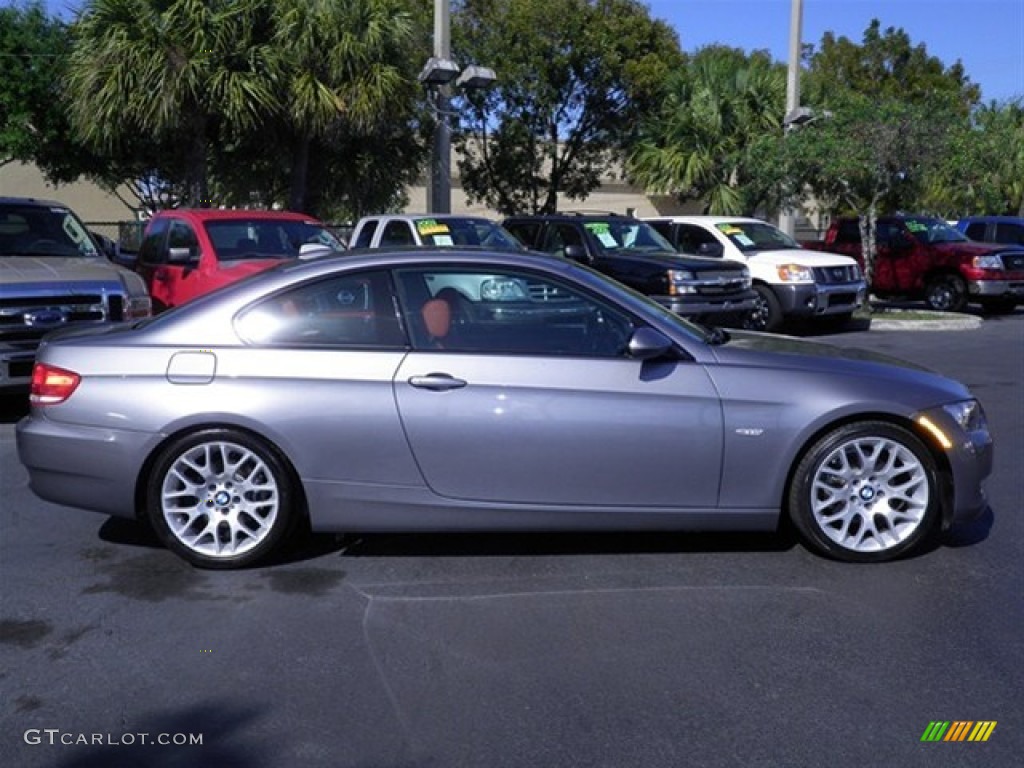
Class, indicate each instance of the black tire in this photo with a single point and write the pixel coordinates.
(767, 315)
(230, 498)
(866, 492)
(946, 293)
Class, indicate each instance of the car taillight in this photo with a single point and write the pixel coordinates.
(51, 385)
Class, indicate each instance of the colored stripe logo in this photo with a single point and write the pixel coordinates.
(959, 730)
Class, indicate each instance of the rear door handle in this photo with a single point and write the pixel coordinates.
(437, 382)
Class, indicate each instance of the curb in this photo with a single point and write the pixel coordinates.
(940, 323)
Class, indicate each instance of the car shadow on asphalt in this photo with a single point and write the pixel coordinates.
(971, 533)
(559, 543)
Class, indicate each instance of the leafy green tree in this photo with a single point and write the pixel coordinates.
(884, 65)
(574, 77)
(865, 157)
(984, 168)
(705, 141)
(34, 127)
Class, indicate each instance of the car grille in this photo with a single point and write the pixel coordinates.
(833, 275)
(1013, 262)
(548, 292)
(719, 282)
(30, 317)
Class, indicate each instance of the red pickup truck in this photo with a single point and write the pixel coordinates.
(921, 257)
(188, 252)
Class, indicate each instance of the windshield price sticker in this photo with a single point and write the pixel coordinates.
(443, 240)
(729, 229)
(431, 227)
(916, 226)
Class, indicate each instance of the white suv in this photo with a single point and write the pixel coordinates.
(790, 281)
(430, 229)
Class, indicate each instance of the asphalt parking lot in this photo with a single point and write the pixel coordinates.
(523, 650)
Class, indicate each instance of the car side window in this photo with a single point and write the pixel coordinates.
(848, 232)
(507, 312)
(691, 238)
(975, 230)
(526, 232)
(559, 236)
(353, 310)
(153, 249)
(365, 238)
(1008, 232)
(397, 233)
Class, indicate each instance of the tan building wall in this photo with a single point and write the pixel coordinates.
(86, 199)
(95, 205)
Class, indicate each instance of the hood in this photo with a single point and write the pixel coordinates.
(804, 353)
(49, 269)
(673, 260)
(800, 256)
(971, 249)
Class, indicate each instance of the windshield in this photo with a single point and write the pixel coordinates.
(258, 238)
(466, 231)
(928, 230)
(756, 236)
(627, 234)
(38, 230)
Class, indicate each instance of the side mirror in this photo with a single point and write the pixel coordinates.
(647, 344)
(577, 253)
(182, 255)
(312, 250)
(712, 250)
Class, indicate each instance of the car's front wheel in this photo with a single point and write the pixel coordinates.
(866, 492)
(767, 312)
(220, 498)
(946, 293)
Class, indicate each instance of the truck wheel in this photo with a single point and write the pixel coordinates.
(865, 492)
(946, 293)
(767, 312)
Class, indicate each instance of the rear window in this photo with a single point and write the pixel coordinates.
(40, 230)
(236, 239)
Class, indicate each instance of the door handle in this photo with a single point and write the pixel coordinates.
(436, 382)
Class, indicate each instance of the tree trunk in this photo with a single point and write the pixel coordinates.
(300, 175)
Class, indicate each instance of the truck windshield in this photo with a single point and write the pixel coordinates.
(756, 236)
(452, 230)
(43, 230)
(627, 234)
(928, 230)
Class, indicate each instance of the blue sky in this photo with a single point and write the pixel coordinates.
(986, 35)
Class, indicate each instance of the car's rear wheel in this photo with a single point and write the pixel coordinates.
(767, 312)
(946, 293)
(220, 498)
(866, 492)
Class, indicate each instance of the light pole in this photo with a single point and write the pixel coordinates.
(787, 221)
(437, 75)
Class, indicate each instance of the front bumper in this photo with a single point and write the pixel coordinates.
(690, 305)
(809, 299)
(997, 289)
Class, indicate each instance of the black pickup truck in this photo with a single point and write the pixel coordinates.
(715, 291)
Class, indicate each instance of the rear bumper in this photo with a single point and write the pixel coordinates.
(83, 467)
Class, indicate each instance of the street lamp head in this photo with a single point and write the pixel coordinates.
(438, 71)
(476, 77)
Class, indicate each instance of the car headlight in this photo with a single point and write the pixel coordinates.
(503, 289)
(136, 307)
(968, 414)
(795, 273)
(680, 281)
(987, 262)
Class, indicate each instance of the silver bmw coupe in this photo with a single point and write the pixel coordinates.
(442, 390)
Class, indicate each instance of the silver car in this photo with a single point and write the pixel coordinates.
(372, 392)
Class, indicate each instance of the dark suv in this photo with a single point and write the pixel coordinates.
(631, 251)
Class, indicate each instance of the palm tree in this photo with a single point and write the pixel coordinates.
(697, 146)
(177, 71)
(341, 63)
